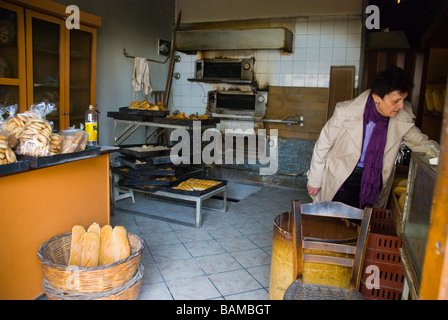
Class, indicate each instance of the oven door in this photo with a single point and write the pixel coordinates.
(236, 102)
(225, 69)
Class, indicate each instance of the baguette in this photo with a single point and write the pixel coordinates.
(95, 227)
(77, 245)
(106, 245)
(122, 248)
(91, 249)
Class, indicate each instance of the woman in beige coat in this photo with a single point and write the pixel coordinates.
(354, 157)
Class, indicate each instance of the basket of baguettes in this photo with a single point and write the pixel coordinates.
(100, 263)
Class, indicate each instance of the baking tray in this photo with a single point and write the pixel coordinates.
(161, 160)
(150, 152)
(141, 112)
(128, 116)
(193, 193)
(16, 167)
(146, 163)
(144, 174)
(147, 188)
(186, 122)
(47, 161)
(150, 182)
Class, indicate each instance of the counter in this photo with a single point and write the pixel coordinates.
(38, 204)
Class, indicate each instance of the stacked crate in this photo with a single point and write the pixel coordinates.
(383, 255)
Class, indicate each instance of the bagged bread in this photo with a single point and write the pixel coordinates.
(91, 249)
(9, 125)
(35, 137)
(7, 156)
(55, 143)
(73, 140)
(77, 245)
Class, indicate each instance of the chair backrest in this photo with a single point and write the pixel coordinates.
(353, 255)
(158, 96)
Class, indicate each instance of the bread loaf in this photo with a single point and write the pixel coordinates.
(399, 190)
(106, 245)
(402, 201)
(122, 248)
(91, 250)
(438, 99)
(429, 100)
(98, 246)
(77, 245)
(95, 227)
(403, 183)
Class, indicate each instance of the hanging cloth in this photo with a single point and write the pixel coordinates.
(141, 80)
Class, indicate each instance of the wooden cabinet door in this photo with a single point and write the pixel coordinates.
(82, 73)
(12, 56)
(46, 62)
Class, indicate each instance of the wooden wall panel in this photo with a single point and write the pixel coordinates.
(342, 81)
(311, 103)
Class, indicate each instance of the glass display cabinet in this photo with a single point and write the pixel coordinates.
(416, 218)
(41, 60)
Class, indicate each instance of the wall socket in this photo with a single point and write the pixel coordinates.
(164, 47)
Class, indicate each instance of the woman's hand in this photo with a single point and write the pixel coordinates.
(312, 191)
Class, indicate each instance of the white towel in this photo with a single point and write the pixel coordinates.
(141, 79)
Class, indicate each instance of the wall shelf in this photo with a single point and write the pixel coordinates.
(235, 39)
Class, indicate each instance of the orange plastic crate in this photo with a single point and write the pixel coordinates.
(383, 247)
(381, 293)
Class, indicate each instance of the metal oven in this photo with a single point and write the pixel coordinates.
(237, 102)
(216, 69)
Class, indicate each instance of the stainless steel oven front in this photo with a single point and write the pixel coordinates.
(225, 69)
(237, 102)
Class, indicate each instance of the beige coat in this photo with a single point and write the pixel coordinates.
(338, 148)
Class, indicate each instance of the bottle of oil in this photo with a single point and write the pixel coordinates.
(91, 126)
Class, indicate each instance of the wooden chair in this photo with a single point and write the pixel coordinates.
(324, 250)
(161, 134)
(158, 96)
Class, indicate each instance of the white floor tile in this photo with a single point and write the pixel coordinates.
(227, 258)
(198, 288)
(233, 282)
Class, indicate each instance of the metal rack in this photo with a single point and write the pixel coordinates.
(133, 126)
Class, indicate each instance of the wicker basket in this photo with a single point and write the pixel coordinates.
(128, 291)
(54, 255)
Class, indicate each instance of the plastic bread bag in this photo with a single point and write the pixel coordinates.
(73, 140)
(9, 123)
(7, 155)
(10, 126)
(55, 144)
(36, 136)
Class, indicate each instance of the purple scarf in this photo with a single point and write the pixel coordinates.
(373, 161)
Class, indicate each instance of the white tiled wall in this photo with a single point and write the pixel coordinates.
(319, 42)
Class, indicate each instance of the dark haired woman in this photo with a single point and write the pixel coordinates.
(354, 157)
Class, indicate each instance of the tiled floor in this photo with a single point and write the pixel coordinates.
(227, 258)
